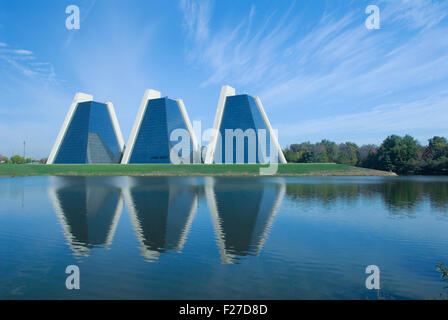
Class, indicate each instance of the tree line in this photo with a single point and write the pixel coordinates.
(16, 159)
(403, 155)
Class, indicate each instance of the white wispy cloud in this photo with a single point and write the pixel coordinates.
(23, 52)
(415, 14)
(196, 19)
(237, 52)
(30, 97)
(397, 118)
(337, 67)
(26, 63)
(336, 49)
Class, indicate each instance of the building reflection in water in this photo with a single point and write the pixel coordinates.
(161, 210)
(88, 209)
(242, 211)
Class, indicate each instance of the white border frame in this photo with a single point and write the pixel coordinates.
(148, 95)
(79, 98)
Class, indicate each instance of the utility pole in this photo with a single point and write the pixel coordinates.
(24, 151)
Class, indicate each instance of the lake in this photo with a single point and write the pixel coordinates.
(223, 237)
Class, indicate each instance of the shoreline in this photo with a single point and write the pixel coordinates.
(157, 170)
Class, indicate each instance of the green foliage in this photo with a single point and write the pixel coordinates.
(402, 155)
(348, 153)
(367, 156)
(435, 156)
(397, 154)
(323, 152)
(331, 150)
(437, 149)
(17, 159)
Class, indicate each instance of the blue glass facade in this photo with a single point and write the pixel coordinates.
(90, 137)
(244, 210)
(152, 144)
(88, 210)
(241, 112)
(162, 210)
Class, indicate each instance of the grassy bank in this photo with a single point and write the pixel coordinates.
(295, 169)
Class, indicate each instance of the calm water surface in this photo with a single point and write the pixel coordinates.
(202, 238)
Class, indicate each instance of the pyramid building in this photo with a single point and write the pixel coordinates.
(89, 134)
(242, 132)
(150, 139)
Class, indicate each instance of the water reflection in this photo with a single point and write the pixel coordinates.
(293, 229)
(400, 195)
(162, 210)
(408, 194)
(88, 210)
(242, 211)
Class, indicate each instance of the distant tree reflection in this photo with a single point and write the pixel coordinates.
(400, 196)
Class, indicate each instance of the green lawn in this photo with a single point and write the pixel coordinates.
(318, 169)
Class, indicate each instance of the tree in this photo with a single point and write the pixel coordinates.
(318, 154)
(17, 159)
(436, 149)
(299, 153)
(331, 149)
(435, 156)
(348, 153)
(398, 154)
(367, 156)
(290, 156)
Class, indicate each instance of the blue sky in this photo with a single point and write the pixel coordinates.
(318, 70)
